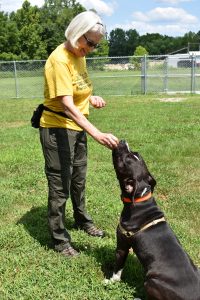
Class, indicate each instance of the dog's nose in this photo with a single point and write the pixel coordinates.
(123, 142)
(125, 145)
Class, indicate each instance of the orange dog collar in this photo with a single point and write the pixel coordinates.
(146, 197)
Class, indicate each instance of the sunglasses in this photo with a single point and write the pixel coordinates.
(91, 44)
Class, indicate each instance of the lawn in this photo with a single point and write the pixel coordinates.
(166, 133)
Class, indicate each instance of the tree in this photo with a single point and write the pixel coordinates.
(136, 61)
(3, 31)
(192, 40)
(132, 37)
(33, 33)
(9, 39)
(117, 42)
(29, 32)
(122, 43)
(55, 16)
(152, 42)
(140, 51)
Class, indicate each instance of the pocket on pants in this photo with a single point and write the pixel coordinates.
(56, 148)
(80, 152)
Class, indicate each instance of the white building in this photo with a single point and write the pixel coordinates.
(184, 60)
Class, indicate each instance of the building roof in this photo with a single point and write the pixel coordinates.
(196, 53)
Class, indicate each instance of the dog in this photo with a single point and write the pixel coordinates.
(169, 272)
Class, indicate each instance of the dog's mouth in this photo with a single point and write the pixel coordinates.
(122, 147)
(124, 143)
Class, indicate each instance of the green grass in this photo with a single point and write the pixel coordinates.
(167, 136)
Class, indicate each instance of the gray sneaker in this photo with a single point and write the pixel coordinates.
(93, 231)
(70, 252)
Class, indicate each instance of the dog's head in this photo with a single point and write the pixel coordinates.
(132, 173)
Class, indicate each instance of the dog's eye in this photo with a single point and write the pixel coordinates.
(129, 181)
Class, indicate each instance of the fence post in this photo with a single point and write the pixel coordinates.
(16, 84)
(193, 63)
(144, 74)
(166, 75)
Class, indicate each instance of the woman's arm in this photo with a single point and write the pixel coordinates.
(106, 139)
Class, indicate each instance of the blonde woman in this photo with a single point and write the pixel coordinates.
(63, 127)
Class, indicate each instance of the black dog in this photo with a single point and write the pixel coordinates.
(170, 273)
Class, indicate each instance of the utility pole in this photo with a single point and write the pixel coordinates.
(188, 48)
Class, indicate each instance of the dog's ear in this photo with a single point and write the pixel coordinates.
(145, 174)
(135, 187)
(151, 181)
(149, 178)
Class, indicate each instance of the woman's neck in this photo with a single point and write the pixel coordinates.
(69, 47)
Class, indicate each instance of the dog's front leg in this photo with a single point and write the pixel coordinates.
(120, 258)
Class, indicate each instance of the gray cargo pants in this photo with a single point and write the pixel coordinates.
(65, 154)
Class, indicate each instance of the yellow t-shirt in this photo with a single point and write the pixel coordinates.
(65, 74)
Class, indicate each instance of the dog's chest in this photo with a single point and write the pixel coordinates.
(134, 216)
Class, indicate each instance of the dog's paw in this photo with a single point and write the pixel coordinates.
(106, 281)
(115, 277)
(111, 280)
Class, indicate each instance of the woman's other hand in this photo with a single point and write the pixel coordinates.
(97, 101)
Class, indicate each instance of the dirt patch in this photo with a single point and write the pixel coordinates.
(13, 124)
(172, 99)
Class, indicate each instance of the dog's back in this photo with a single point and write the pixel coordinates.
(170, 273)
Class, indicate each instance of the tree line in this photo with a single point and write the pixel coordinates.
(33, 33)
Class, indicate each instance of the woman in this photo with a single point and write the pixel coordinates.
(63, 138)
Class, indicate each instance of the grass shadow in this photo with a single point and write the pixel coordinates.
(132, 275)
(35, 223)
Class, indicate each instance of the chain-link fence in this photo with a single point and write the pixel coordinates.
(110, 76)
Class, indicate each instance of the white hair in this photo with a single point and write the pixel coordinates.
(82, 23)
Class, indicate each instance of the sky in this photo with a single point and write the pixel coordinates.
(167, 17)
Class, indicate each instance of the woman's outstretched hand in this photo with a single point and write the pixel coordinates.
(108, 140)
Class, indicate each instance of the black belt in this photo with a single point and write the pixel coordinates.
(60, 113)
